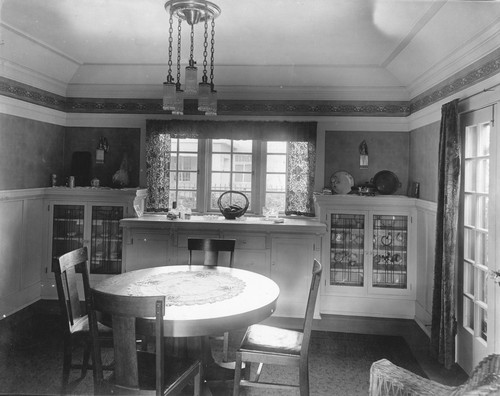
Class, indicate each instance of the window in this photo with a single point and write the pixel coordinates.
(231, 168)
(194, 162)
(276, 167)
(184, 171)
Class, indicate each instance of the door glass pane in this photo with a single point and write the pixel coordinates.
(67, 229)
(468, 313)
(483, 316)
(390, 236)
(106, 240)
(482, 176)
(482, 212)
(347, 250)
(483, 140)
(469, 244)
(469, 177)
(468, 278)
(482, 286)
(470, 141)
(469, 212)
(482, 251)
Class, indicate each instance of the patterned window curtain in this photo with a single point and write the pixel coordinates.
(157, 170)
(301, 138)
(443, 328)
(300, 178)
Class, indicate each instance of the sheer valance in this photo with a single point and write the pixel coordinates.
(240, 130)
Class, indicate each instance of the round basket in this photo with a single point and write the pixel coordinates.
(233, 204)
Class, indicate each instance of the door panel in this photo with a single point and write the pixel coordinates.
(473, 307)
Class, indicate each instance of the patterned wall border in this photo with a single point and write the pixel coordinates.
(480, 70)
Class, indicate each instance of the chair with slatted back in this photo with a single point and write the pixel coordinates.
(272, 345)
(139, 371)
(71, 266)
(211, 249)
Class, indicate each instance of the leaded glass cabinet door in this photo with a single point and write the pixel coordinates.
(67, 230)
(347, 250)
(106, 240)
(390, 251)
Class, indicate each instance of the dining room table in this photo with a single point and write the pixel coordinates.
(200, 301)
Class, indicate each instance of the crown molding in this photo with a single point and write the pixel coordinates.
(485, 42)
(32, 78)
(31, 111)
(486, 68)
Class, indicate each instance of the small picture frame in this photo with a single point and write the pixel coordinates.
(413, 190)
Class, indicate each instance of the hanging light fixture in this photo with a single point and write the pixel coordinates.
(193, 12)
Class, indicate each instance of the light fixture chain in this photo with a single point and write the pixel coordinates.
(212, 46)
(170, 39)
(205, 52)
(191, 59)
(179, 35)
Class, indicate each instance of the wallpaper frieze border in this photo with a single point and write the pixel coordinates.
(480, 70)
(37, 96)
(477, 72)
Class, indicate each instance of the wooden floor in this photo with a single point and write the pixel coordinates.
(415, 337)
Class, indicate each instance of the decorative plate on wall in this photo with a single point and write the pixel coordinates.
(342, 182)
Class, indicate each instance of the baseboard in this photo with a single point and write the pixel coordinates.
(426, 328)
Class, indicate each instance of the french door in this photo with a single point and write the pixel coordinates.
(475, 305)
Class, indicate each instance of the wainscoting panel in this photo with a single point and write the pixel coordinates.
(22, 237)
(426, 242)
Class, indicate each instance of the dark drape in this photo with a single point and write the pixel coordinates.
(443, 328)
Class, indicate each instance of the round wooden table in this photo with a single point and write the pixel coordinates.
(201, 300)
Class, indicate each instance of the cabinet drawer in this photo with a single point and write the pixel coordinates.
(250, 242)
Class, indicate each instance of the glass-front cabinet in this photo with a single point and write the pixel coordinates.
(90, 217)
(368, 250)
(390, 252)
(347, 249)
(368, 255)
(94, 226)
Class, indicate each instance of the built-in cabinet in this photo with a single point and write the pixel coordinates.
(79, 217)
(283, 252)
(96, 226)
(369, 253)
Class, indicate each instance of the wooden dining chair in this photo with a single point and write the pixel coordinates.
(71, 266)
(211, 249)
(272, 345)
(137, 370)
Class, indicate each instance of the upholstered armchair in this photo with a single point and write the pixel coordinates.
(389, 379)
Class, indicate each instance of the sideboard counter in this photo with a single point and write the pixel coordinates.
(247, 224)
(283, 252)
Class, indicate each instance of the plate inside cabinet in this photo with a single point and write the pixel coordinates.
(342, 182)
(386, 182)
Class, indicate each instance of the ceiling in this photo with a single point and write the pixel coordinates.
(320, 49)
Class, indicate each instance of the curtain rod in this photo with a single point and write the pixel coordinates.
(480, 92)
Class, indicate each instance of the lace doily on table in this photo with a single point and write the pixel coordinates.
(188, 287)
